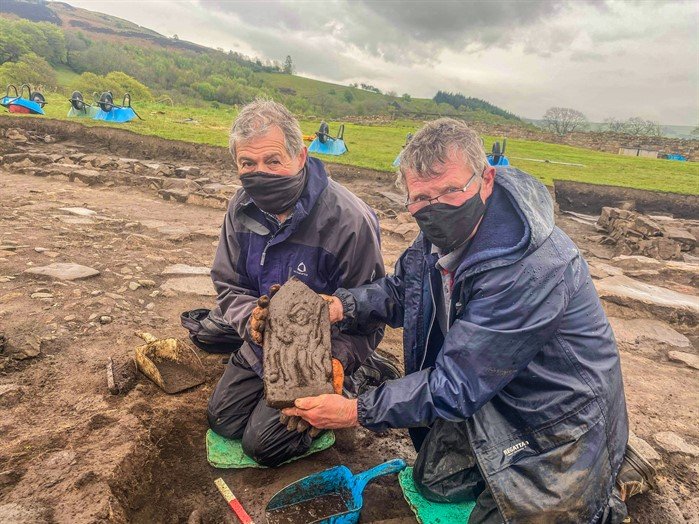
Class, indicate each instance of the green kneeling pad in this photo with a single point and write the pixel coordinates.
(428, 512)
(228, 453)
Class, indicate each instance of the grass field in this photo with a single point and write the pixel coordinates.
(376, 147)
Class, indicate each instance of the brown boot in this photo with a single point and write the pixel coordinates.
(636, 474)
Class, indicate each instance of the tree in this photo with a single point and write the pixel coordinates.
(406, 97)
(348, 96)
(614, 125)
(564, 120)
(637, 126)
(30, 69)
(288, 66)
(695, 131)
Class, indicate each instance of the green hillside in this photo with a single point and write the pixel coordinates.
(37, 37)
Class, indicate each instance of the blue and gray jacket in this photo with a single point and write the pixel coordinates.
(330, 240)
(529, 360)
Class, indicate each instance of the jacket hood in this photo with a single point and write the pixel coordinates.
(518, 219)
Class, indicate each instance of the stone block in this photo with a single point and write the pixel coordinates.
(297, 359)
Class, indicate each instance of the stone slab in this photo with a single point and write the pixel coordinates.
(297, 358)
(674, 443)
(649, 337)
(688, 359)
(64, 271)
(184, 269)
(80, 211)
(654, 300)
(194, 285)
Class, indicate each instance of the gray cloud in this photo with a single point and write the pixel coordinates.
(605, 58)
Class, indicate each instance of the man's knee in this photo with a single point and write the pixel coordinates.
(233, 400)
(268, 442)
(228, 426)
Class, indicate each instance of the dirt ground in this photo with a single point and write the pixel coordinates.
(71, 452)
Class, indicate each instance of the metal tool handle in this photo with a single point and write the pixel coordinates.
(387, 468)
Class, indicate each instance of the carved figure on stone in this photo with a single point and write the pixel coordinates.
(297, 359)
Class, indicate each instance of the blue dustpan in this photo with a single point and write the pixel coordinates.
(334, 481)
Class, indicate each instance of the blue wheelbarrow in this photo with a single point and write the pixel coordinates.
(333, 496)
(325, 144)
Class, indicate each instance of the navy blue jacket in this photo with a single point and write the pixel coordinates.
(331, 240)
(529, 360)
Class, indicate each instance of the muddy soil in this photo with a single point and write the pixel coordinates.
(71, 452)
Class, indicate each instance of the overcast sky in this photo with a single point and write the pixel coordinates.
(604, 58)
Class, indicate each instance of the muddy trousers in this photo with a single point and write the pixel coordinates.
(430, 466)
(237, 410)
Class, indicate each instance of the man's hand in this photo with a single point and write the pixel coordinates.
(258, 317)
(295, 423)
(326, 411)
(337, 312)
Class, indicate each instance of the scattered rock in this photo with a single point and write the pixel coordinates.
(184, 269)
(600, 270)
(64, 271)
(147, 283)
(87, 176)
(105, 319)
(674, 443)
(80, 211)
(688, 359)
(651, 338)
(179, 195)
(41, 295)
(133, 286)
(9, 477)
(634, 233)
(180, 184)
(682, 236)
(644, 449)
(31, 348)
(634, 297)
(197, 285)
(15, 135)
(185, 171)
(10, 395)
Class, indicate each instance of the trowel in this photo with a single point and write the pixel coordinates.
(170, 363)
(333, 496)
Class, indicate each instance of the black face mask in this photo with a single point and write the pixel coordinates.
(447, 227)
(274, 193)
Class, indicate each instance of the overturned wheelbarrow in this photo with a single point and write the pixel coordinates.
(170, 363)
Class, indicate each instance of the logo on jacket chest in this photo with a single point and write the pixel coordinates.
(301, 270)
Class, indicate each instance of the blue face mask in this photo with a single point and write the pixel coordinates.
(274, 193)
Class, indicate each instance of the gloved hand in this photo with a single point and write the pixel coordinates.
(335, 309)
(258, 317)
(300, 425)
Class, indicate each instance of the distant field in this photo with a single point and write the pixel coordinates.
(375, 147)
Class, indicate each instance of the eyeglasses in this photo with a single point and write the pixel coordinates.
(451, 197)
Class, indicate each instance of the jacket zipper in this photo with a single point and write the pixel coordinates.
(429, 330)
(274, 235)
(264, 251)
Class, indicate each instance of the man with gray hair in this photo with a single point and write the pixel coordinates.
(288, 220)
(513, 392)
